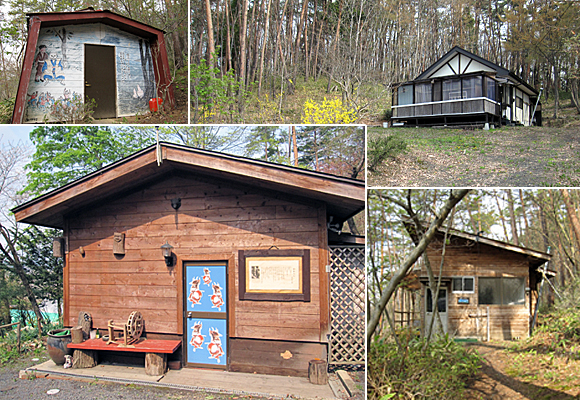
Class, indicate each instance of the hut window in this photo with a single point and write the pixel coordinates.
(451, 89)
(405, 95)
(490, 88)
(472, 87)
(441, 301)
(506, 291)
(463, 284)
(423, 93)
(519, 100)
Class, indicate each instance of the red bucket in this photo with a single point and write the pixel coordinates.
(155, 103)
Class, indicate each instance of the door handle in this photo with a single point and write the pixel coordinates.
(87, 84)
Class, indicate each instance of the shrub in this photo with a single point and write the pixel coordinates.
(331, 111)
(382, 147)
(6, 108)
(213, 97)
(436, 370)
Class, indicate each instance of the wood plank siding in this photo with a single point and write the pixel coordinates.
(215, 220)
(467, 258)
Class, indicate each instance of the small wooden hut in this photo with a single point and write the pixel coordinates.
(73, 56)
(249, 265)
(483, 280)
(462, 88)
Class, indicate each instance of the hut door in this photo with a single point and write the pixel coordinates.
(441, 307)
(100, 79)
(206, 316)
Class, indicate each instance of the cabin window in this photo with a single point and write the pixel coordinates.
(462, 284)
(490, 88)
(451, 89)
(405, 95)
(472, 87)
(502, 291)
(437, 91)
(519, 100)
(423, 93)
(441, 301)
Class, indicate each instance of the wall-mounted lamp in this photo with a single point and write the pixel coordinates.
(176, 203)
(166, 250)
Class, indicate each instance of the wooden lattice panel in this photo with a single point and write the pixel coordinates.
(347, 306)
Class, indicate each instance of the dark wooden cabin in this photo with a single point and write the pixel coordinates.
(71, 56)
(462, 88)
(262, 231)
(481, 274)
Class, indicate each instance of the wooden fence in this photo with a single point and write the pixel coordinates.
(347, 306)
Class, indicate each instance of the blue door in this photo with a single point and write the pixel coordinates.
(206, 314)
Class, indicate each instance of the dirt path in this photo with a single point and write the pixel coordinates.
(495, 383)
(511, 156)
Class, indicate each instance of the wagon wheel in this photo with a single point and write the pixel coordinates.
(135, 325)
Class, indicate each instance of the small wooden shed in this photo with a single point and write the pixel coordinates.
(250, 263)
(482, 275)
(73, 56)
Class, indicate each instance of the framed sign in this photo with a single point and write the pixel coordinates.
(278, 275)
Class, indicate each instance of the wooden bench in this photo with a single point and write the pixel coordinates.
(155, 353)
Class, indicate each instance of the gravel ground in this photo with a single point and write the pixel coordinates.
(511, 156)
(11, 387)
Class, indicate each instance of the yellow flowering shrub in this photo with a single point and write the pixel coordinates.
(331, 111)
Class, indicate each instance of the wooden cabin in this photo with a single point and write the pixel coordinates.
(480, 275)
(464, 89)
(73, 56)
(250, 260)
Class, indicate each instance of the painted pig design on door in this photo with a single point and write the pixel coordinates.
(215, 346)
(206, 278)
(195, 293)
(196, 337)
(216, 298)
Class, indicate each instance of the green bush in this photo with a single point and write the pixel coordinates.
(437, 370)
(213, 97)
(6, 108)
(382, 147)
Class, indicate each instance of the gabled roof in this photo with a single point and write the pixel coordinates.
(534, 257)
(89, 15)
(344, 197)
(500, 71)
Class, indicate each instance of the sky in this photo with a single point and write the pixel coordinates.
(15, 133)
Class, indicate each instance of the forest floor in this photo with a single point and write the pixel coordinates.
(523, 372)
(510, 156)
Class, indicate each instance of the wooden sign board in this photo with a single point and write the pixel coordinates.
(279, 275)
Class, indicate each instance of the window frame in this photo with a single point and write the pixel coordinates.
(463, 277)
(501, 292)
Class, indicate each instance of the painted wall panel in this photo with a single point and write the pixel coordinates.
(454, 64)
(477, 67)
(464, 63)
(58, 70)
(444, 71)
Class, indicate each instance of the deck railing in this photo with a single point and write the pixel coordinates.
(478, 105)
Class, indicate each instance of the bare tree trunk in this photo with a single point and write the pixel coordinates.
(572, 215)
(210, 40)
(515, 237)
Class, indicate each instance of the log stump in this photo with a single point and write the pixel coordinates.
(155, 363)
(317, 372)
(76, 334)
(85, 358)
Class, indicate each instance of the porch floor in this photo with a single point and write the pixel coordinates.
(192, 379)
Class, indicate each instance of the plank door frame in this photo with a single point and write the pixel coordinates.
(230, 261)
(116, 90)
(429, 315)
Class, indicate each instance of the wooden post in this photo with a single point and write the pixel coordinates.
(488, 332)
(317, 372)
(18, 337)
(155, 363)
(85, 358)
